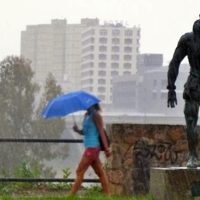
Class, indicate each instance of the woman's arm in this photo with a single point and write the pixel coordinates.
(77, 130)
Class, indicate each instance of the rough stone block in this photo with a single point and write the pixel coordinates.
(175, 183)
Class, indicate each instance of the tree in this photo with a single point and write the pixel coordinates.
(49, 128)
(17, 95)
(19, 116)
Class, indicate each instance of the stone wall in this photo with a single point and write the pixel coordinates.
(136, 148)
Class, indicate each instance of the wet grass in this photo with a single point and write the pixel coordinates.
(73, 198)
(18, 191)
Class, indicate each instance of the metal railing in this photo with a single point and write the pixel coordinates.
(30, 140)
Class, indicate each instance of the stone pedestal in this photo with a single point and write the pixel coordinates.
(175, 183)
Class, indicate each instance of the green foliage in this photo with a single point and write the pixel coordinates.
(21, 108)
(62, 185)
(25, 170)
(17, 98)
(48, 128)
(93, 189)
(66, 172)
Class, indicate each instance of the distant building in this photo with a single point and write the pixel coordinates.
(153, 99)
(107, 51)
(148, 61)
(82, 56)
(147, 93)
(55, 48)
(125, 93)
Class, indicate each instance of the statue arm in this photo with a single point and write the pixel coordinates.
(179, 55)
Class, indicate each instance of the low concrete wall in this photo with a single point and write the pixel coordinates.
(175, 183)
(138, 147)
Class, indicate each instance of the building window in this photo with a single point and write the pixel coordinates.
(102, 73)
(115, 57)
(102, 65)
(115, 65)
(115, 40)
(103, 32)
(127, 65)
(101, 81)
(88, 57)
(128, 32)
(127, 49)
(102, 40)
(127, 57)
(88, 41)
(115, 32)
(114, 73)
(102, 48)
(102, 56)
(128, 41)
(101, 89)
(115, 49)
(88, 49)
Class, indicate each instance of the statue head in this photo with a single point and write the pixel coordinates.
(196, 27)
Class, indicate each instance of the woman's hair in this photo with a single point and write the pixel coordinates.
(97, 107)
(94, 107)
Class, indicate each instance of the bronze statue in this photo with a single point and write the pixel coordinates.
(188, 45)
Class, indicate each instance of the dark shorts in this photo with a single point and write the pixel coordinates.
(92, 153)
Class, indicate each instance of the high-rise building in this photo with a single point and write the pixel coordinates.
(55, 48)
(44, 46)
(82, 56)
(107, 51)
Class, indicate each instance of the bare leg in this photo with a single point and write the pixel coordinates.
(97, 166)
(83, 166)
(191, 116)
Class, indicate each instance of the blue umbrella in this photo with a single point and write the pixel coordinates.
(69, 103)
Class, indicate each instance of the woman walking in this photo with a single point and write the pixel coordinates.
(92, 130)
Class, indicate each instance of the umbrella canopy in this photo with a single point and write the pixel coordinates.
(69, 103)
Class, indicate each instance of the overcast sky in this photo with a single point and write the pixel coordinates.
(162, 22)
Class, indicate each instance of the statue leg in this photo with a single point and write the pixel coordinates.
(191, 116)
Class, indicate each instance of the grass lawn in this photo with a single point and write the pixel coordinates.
(24, 191)
(72, 198)
(62, 194)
